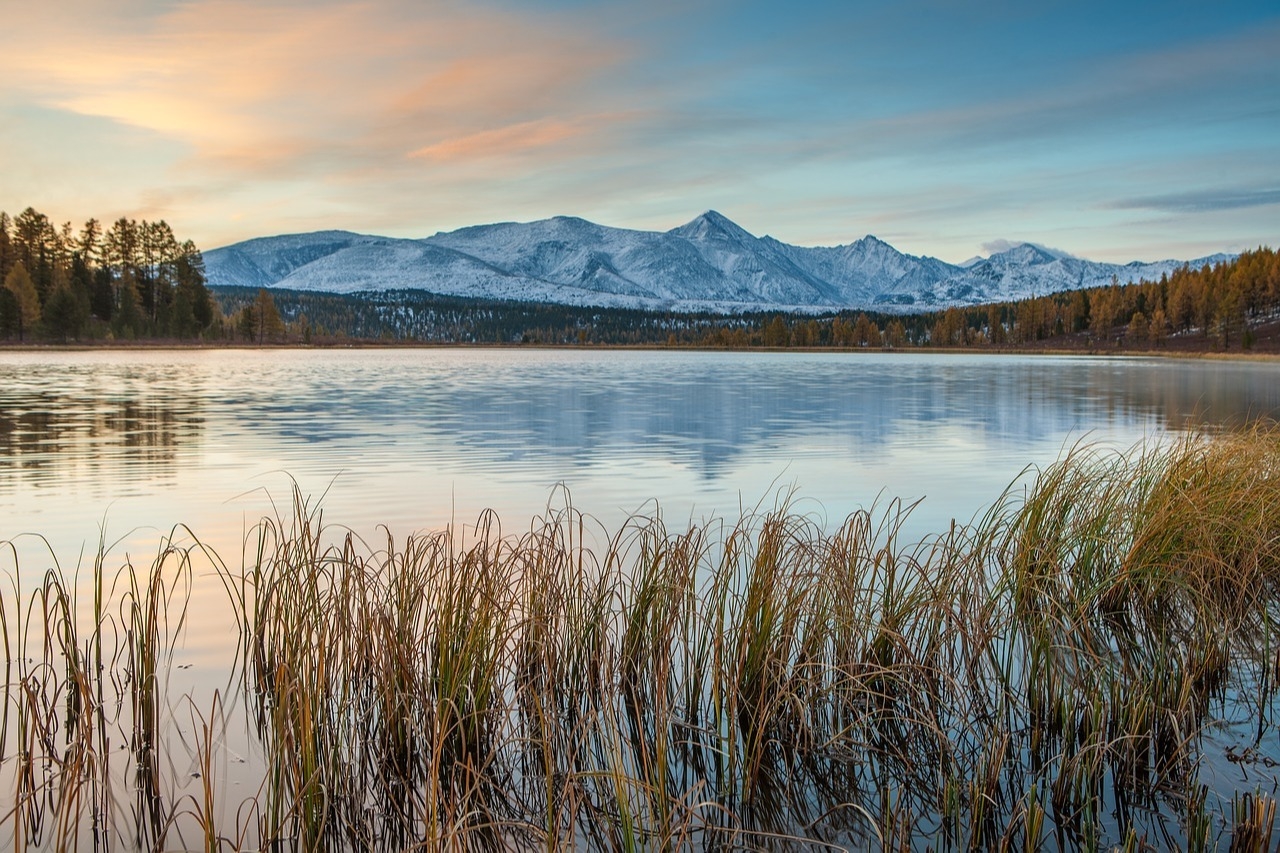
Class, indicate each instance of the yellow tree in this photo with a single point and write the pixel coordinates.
(19, 283)
(862, 330)
(1159, 327)
(1138, 328)
(266, 317)
(895, 335)
(776, 333)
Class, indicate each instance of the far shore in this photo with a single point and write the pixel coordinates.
(171, 345)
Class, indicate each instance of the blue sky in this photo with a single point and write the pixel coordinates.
(1115, 131)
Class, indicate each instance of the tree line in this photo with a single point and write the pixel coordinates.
(130, 280)
(1213, 307)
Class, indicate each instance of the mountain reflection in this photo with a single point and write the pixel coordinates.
(493, 410)
(713, 411)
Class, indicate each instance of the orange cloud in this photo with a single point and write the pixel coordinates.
(250, 85)
(512, 139)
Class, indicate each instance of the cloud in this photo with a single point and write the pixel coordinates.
(994, 247)
(1169, 90)
(501, 141)
(234, 118)
(1202, 201)
(254, 87)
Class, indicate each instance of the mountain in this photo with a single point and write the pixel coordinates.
(710, 263)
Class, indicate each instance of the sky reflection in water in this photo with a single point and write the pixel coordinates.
(415, 438)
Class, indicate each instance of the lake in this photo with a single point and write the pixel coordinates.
(416, 438)
(125, 445)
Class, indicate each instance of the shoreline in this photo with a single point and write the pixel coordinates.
(161, 346)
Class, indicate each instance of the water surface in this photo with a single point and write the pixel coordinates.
(417, 438)
(124, 445)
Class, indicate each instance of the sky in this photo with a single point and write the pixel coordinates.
(1111, 130)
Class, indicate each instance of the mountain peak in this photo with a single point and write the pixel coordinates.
(712, 224)
(872, 242)
(573, 221)
(1027, 253)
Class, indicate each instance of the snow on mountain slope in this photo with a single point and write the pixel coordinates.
(760, 271)
(870, 271)
(710, 263)
(1028, 270)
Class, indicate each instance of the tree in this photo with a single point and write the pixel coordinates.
(862, 330)
(102, 295)
(895, 335)
(841, 332)
(159, 250)
(1138, 328)
(90, 237)
(246, 324)
(27, 301)
(120, 247)
(266, 318)
(1228, 317)
(34, 237)
(128, 320)
(189, 286)
(995, 325)
(1159, 327)
(776, 333)
(62, 314)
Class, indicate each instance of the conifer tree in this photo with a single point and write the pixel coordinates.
(62, 314)
(27, 301)
(266, 316)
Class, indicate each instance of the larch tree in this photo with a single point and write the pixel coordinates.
(267, 317)
(18, 282)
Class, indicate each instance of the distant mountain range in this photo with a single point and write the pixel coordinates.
(710, 263)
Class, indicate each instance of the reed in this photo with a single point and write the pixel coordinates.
(1043, 676)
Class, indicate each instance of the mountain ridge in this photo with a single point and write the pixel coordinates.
(709, 263)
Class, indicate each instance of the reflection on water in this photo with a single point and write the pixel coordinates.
(415, 436)
(419, 438)
(44, 432)
(713, 410)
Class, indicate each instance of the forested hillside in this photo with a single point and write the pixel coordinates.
(132, 280)
(1223, 307)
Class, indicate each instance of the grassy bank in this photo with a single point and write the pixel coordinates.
(1072, 669)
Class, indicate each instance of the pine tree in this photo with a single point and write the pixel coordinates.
(62, 315)
(128, 319)
(102, 296)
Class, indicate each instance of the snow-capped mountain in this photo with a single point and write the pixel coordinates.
(710, 263)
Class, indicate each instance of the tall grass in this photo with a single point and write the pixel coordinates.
(1063, 671)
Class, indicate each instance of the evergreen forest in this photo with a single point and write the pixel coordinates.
(131, 280)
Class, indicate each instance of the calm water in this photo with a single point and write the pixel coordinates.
(413, 439)
(125, 445)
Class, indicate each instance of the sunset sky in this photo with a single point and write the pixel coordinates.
(1112, 130)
